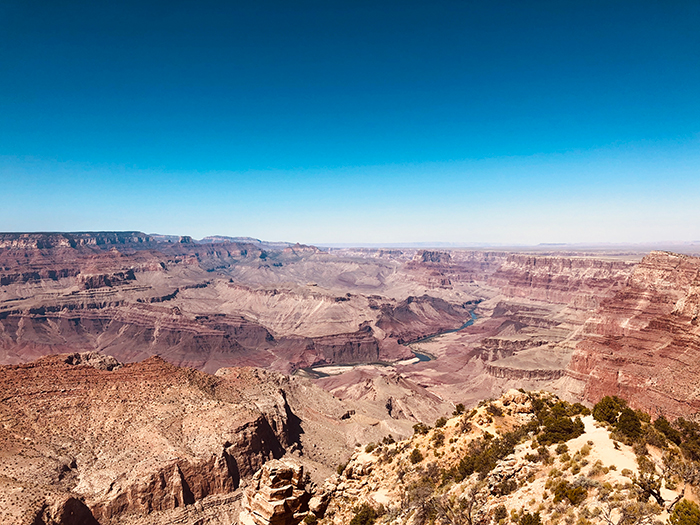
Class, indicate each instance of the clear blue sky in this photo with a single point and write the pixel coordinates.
(503, 122)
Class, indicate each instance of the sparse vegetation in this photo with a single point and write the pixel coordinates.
(530, 519)
(421, 429)
(416, 456)
(311, 519)
(494, 410)
(364, 515)
(565, 491)
(388, 440)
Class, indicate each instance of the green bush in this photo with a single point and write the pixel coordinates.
(561, 449)
(370, 447)
(310, 519)
(420, 429)
(663, 426)
(438, 439)
(459, 409)
(484, 453)
(364, 515)
(500, 513)
(690, 432)
(607, 409)
(341, 468)
(560, 429)
(628, 423)
(564, 491)
(388, 440)
(416, 456)
(440, 422)
(493, 410)
(685, 513)
(578, 409)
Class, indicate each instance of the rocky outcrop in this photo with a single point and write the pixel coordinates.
(644, 343)
(426, 256)
(89, 282)
(276, 496)
(84, 439)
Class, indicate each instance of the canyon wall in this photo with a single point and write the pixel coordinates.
(644, 343)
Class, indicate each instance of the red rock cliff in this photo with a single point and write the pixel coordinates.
(644, 343)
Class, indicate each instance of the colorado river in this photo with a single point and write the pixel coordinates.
(330, 370)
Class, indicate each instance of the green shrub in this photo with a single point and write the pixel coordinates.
(607, 409)
(370, 447)
(493, 410)
(341, 468)
(542, 455)
(561, 449)
(500, 513)
(416, 456)
(440, 422)
(597, 469)
(438, 439)
(578, 409)
(364, 515)
(690, 431)
(628, 423)
(420, 429)
(311, 519)
(654, 438)
(388, 440)
(663, 426)
(560, 429)
(685, 513)
(485, 452)
(459, 409)
(564, 491)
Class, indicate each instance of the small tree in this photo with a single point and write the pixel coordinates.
(685, 513)
(416, 456)
(628, 423)
(607, 409)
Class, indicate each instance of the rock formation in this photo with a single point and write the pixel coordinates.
(276, 496)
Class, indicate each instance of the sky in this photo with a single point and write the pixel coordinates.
(466, 122)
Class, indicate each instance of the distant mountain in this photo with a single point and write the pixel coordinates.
(215, 239)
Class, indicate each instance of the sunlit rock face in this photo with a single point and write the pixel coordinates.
(644, 343)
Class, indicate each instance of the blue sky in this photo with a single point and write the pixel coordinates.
(356, 122)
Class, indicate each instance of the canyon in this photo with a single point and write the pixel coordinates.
(147, 378)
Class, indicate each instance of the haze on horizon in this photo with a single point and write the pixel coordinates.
(390, 122)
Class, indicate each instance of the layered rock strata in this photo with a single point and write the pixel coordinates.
(644, 343)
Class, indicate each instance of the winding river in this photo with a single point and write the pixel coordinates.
(327, 370)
